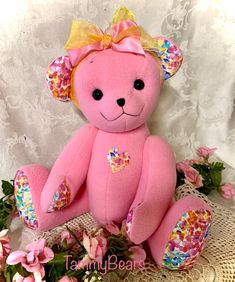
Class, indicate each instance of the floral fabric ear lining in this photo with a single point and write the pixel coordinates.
(58, 78)
(170, 55)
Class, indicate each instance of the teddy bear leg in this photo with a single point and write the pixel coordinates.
(28, 184)
(181, 236)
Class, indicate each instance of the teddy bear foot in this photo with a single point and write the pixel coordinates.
(24, 195)
(179, 247)
(28, 184)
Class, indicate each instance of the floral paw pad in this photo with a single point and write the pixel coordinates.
(61, 198)
(24, 202)
(187, 240)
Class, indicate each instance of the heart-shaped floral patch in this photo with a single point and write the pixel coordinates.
(117, 161)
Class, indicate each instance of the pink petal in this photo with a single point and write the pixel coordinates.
(206, 152)
(42, 271)
(31, 257)
(182, 166)
(86, 242)
(99, 254)
(16, 257)
(17, 278)
(227, 191)
(226, 196)
(29, 279)
(102, 242)
(93, 248)
(31, 267)
(112, 228)
(68, 279)
(38, 275)
(46, 256)
(138, 254)
(65, 235)
(36, 245)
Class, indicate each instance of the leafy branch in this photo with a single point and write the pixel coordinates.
(7, 203)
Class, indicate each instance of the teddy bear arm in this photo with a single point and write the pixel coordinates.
(69, 171)
(155, 191)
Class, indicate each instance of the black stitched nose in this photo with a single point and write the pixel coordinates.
(121, 102)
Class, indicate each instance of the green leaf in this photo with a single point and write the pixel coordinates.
(51, 273)
(204, 190)
(7, 188)
(77, 273)
(7, 205)
(216, 177)
(59, 258)
(22, 271)
(9, 272)
(56, 248)
(6, 210)
(217, 166)
(216, 173)
(180, 178)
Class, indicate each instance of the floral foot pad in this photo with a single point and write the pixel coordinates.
(24, 203)
(187, 240)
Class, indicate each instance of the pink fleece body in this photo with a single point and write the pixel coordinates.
(115, 191)
(113, 167)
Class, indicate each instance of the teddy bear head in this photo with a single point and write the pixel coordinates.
(114, 77)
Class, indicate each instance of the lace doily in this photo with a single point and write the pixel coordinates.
(216, 263)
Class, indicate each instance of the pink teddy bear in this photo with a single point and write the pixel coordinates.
(113, 167)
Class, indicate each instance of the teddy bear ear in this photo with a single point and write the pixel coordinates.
(170, 56)
(58, 78)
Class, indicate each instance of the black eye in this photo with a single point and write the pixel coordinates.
(139, 84)
(97, 94)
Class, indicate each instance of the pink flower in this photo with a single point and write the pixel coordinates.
(96, 246)
(205, 152)
(192, 176)
(36, 276)
(227, 191)
(68, 279)
(182, 166)
(112, 228)
(4, 247)
(67, 239)
(32, 260)
(138, 255)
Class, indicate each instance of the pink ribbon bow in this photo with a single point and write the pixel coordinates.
(124, 37)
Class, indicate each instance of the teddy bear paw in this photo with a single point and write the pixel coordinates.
(139, 224)
(61, 198)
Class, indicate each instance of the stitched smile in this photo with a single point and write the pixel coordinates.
(123, 113)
